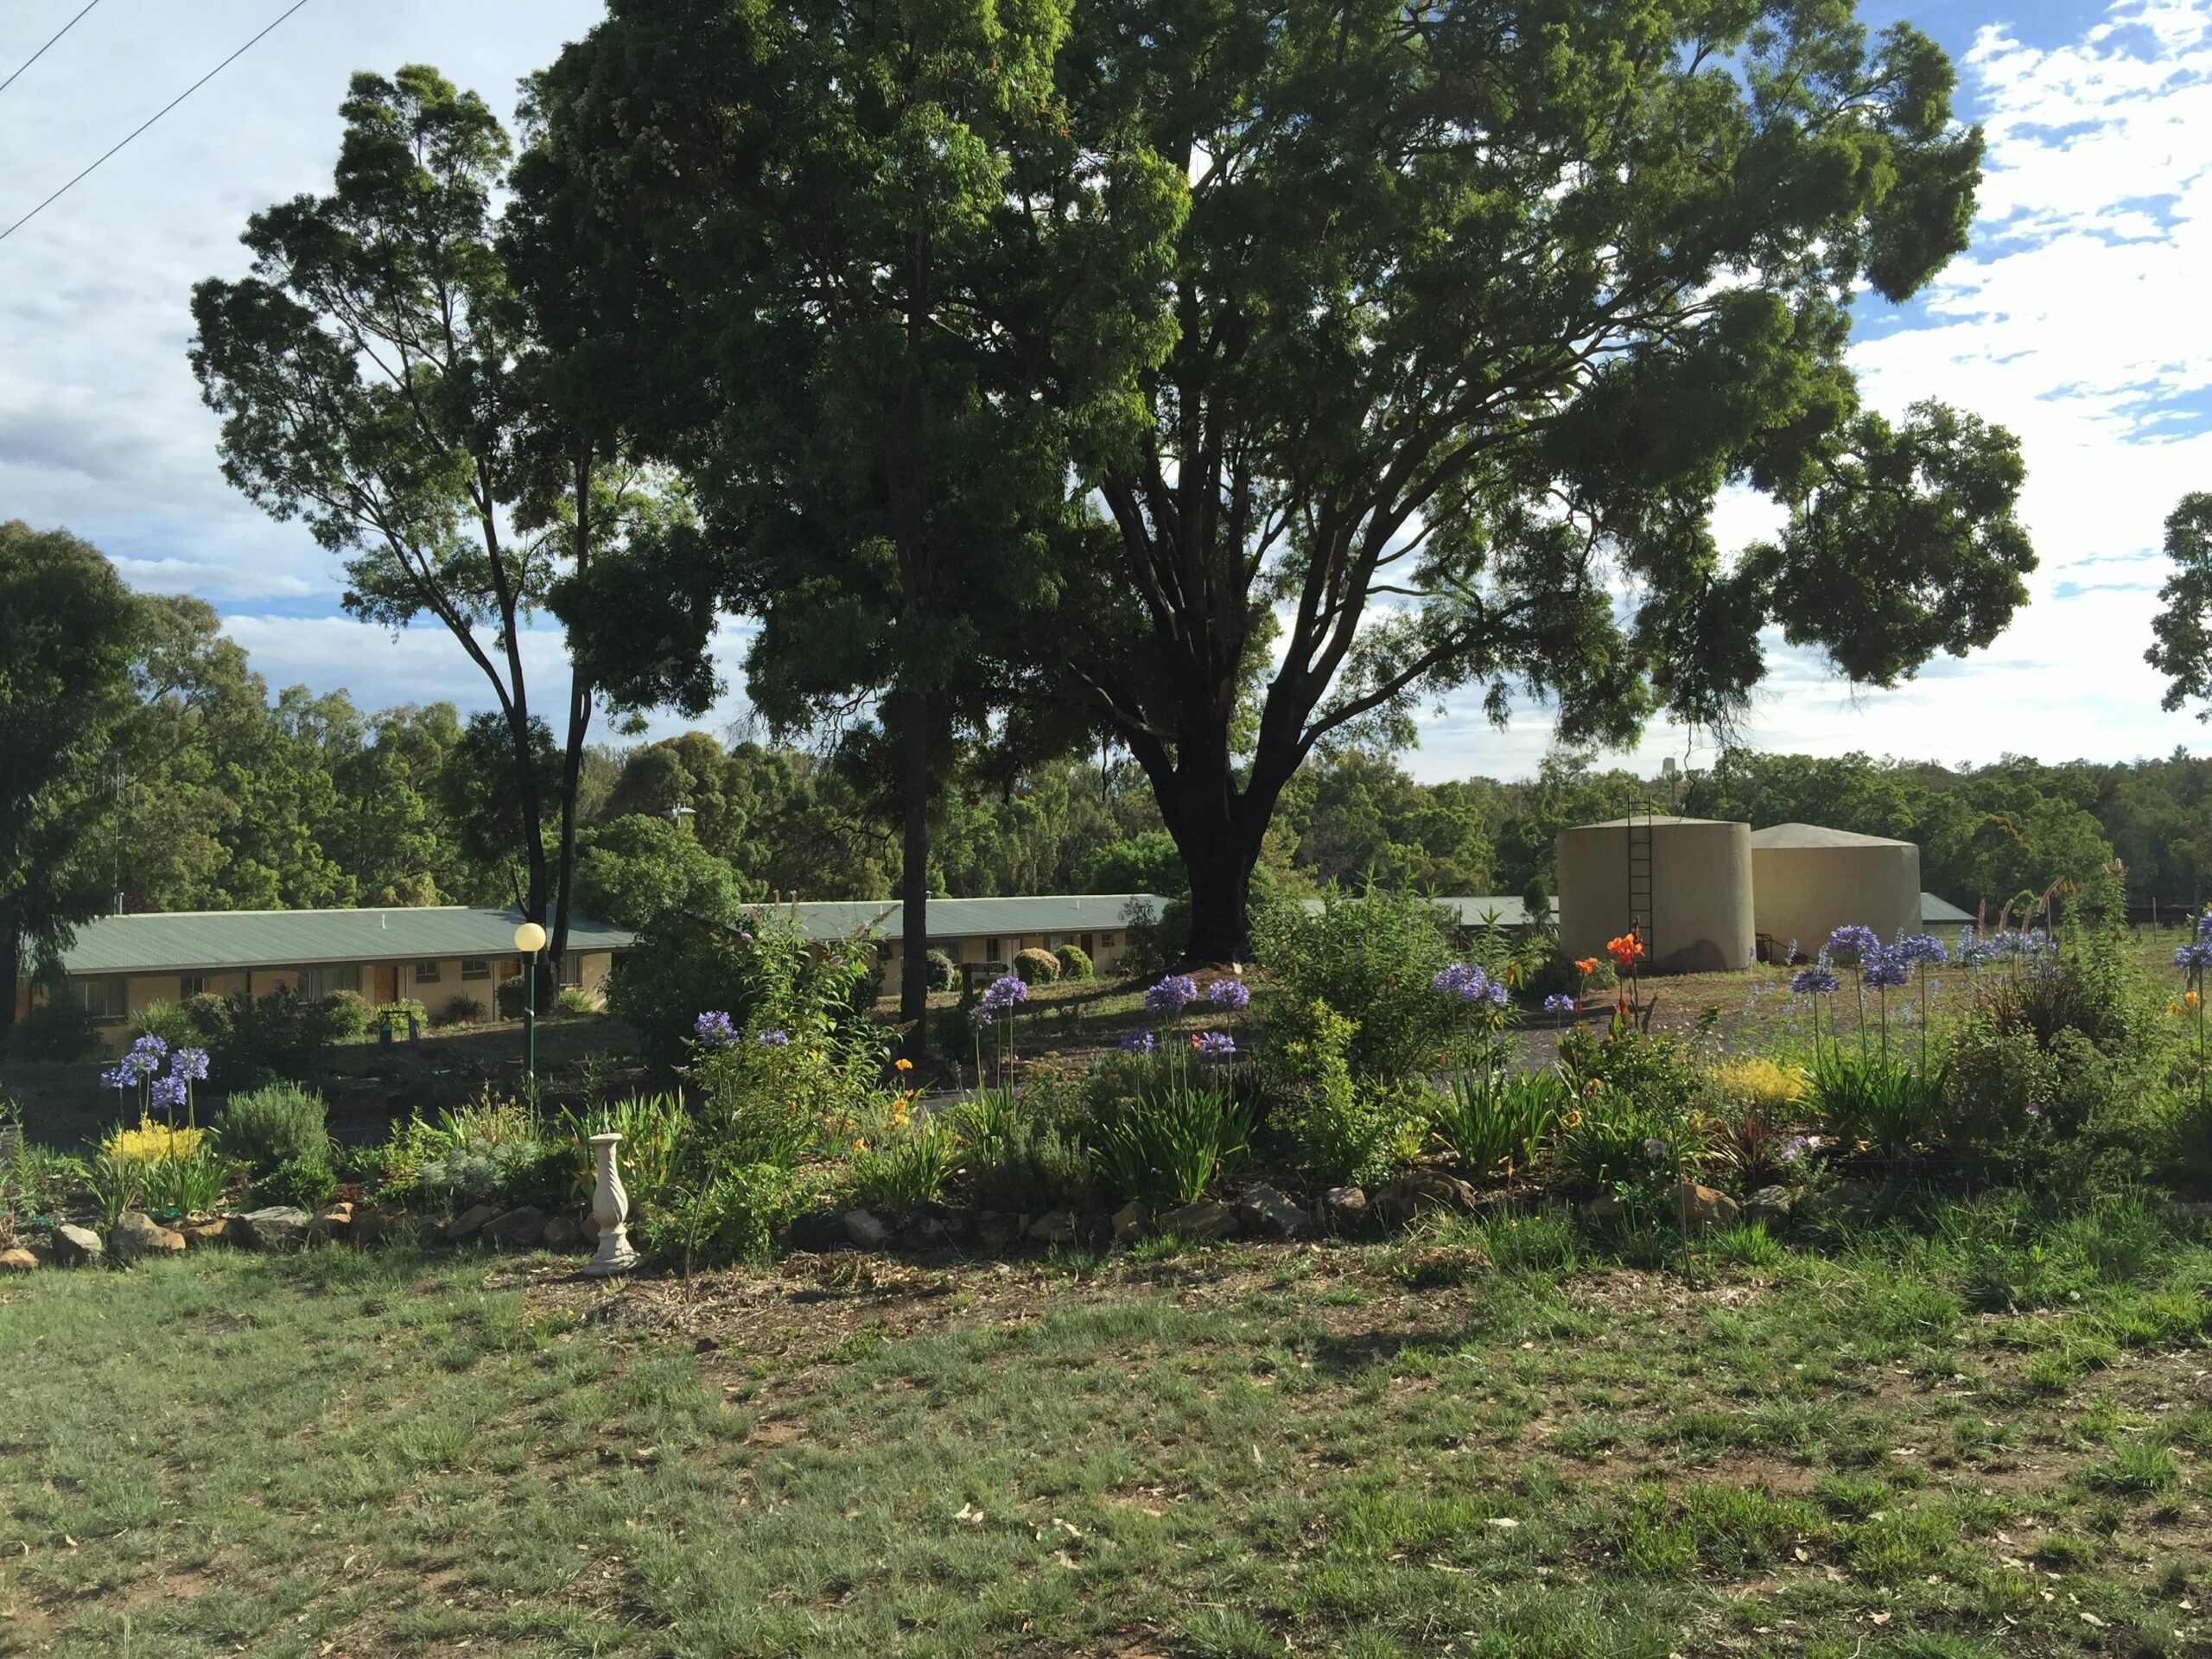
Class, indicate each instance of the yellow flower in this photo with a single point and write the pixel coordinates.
(1572, 1121)
(902, 1064)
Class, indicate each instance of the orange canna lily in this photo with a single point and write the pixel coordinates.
(902, 1064)
(1585, 964)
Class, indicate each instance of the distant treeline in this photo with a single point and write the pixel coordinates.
(225, 797)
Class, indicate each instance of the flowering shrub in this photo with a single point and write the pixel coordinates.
(1374, 958)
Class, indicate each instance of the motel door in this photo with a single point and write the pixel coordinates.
(1090, 943)
(387, 977)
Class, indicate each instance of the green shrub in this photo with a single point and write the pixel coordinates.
(396, 1012)
(1018, 1160)
(210, 1015)
(117, 1183)
(1075, 962)
(188, 1184)
(759, 971)
(573, 999)
(1492, 1121)
(1336, 1127)
(1626, 1123)
(908, 1171)
(1888, 1106)
(461, 1010)
(1658, 1070)
(940, 970)
(56, 1029)
(169, 1022)
(491, 1151)
(280, 1036)
(1036, 967)
(349, 1016)
(1167, 1146)
(303, 1183)
(283, 1123)
(731, 1216)
(652, 1127)
(509, 995)
(1374, 956)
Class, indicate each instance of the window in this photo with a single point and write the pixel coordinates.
(104, 999)
(572, 969)
(191, 985)
(476, 967)
(322, 981)
(990, 950)
(1105, 941)
(426, 972)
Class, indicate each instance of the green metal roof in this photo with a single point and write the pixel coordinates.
(966, 919)
(1933, 909)
(1502, 910)
(200, 941)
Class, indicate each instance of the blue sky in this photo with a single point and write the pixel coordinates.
(2078, 319)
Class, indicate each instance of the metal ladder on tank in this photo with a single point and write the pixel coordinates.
(1639, 877)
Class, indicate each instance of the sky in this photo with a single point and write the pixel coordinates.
(2077, 318)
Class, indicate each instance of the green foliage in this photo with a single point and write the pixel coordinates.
(944, 972)
(761, 972)
(1075, 962)
(1371, 957)
(652, 1127)
(1628, 1124)
(461, 1010)
(906, 1171)
(2182, 629)
(511, 995)
(281, 1124)
(349, 1016)
(1339, 1129)
(189, 1183)
(732, 1215)
(284, 1035)
(116, 1183)
(633, 870)
(35, 1180)
(490, 1151)
(1889, 1106)
(1035, 967)
(169, 1022)
(57, 1029)
(67, 631)
(1493, 1120)
(303, 1183)
(1169, 1145)
(1016, 1160)
(573, 999)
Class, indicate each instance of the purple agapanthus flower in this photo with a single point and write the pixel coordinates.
(2194, 958)
(774, 1038)
(1854, 941)
(166, 1091)
(189, 1062)
(1794, 1149)
(118, 1077)
(1813, 982)
(1558, 1002)
(715, 1030)
(1138, 1042)
(1217, 1044)
(1922, 947)
(1878, 968)
(1469, 983)
(1005, 992)
(2035, 1109)
(1655, 1147)
(1172, 995)
(1229, 994)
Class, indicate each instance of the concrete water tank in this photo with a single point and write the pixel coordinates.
(1808, 881)
(1700, 891)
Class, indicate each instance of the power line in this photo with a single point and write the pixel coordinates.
(150, 120)
(36, 56)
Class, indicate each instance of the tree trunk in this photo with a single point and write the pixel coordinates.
(1221, 890)
(572, 756)
(914, 873)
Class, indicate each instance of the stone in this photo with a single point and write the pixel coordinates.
(1418, 1191)
(1265, 1212)
(589, 1227)
(137, 1234)
(332, 1221)
(561, 1233)
(279, 1227)
(994, 1232)
(1344, 1209)
(816, 1232)
(1698, 1208)
(1604, 1210)
(866, 1229)
(372, 1223)
(198, 1235)
(1771, 1204)
(1054, 1227)
(1130, 1221)
(469, 1223)
(18, 1260)
(1207, 1218)
(517, 1229)
(76, 1247)
(1840, 1200)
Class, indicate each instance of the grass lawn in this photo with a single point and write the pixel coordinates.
(1975, 1431)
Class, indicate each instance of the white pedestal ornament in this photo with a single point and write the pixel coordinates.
(610, 1208)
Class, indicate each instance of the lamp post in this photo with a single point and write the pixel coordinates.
(530, 940)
